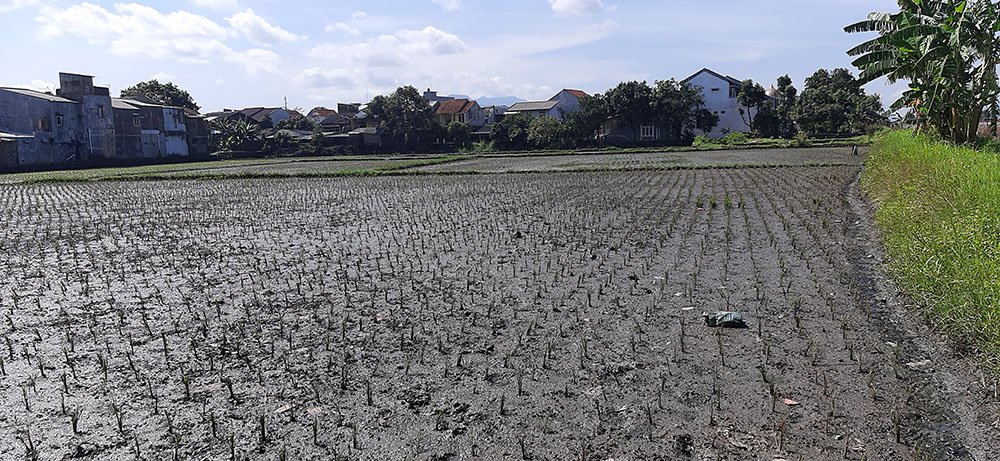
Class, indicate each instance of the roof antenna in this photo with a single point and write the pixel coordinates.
(286, 102)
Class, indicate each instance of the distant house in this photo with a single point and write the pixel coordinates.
(162, 129)
(433, 98)
(319, 113)
(261, 115)
(720, 93)
(537, 109)
(74, 124)
(569, 100)
(460, 110)
(335, 124)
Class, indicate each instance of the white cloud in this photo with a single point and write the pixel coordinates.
(359, 15)
(161, 76)
(579, 7)
(225, 5)
(343, 27)
(134, 30)
(334, 78)
(219, 82)
(449, 5)
(258, 30)
(395, 50)
(11, 5)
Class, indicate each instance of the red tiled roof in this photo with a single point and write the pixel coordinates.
(454, 106)
(577, 93)
(322, 112)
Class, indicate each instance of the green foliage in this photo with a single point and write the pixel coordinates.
(459, 133)
(680, 109)
(405, 116)
(751, 97)
(702, 140)
(548, 133)
(164, 93)
(834, 102)
(786, 96)
(584, 124)
(939, 210)
(512, 131)
(735, 138)
(297, 124)
(947, 50)
(239, 135)
(480, 147)
(631, 103)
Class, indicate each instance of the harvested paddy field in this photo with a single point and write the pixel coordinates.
(536, 316)
(651, 160)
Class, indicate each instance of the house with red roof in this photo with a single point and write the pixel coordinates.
(569, 100)
(460, 110)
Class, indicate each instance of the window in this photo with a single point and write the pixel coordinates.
(733, 92)
(43, 124)
(647, 131)
(461, 118)
(716, 90)
(136, 121)
(100, 111)
(59, 120)
(723, 112)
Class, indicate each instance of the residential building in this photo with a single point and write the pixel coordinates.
(162, 129)
(569, 100)
(720, 93)
(41, 128)
(460, 110)
(433, 98)
(537, 109)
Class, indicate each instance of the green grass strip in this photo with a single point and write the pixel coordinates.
(939, 211)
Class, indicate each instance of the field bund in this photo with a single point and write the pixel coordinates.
(939, 209)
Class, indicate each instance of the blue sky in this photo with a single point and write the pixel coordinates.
(237, 53)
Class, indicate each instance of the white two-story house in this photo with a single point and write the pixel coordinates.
(720, 93)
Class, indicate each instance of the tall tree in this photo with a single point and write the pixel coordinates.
(833, 102)
(164, 93)
(512, 131)
(547, 133)
(680, 109)
(583, 124)
(631, 104)
(405, 115)
(946, 49)
(786, 95)
(751, 97)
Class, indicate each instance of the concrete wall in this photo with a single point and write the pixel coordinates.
(58, 129)
(99, 121)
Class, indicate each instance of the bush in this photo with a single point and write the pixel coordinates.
(939, 210)
(735, 138)
(703, 140)
(801, 140)
(480, 147)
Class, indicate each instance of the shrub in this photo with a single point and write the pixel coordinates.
(735, 138)
(480, 147)
(703, 140)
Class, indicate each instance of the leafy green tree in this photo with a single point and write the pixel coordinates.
(164, 93)
(751, 97)
(583, 125)
(405, 115)
(786, 95)
(835, 103)
(946, 49)
(631, 103)
(239, 135)
(297, 124)
(680, 109)
(548, 133)
(459, 133)
(512, 131)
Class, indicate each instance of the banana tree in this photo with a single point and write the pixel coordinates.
(946, 49)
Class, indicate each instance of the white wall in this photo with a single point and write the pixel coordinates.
(719, 103)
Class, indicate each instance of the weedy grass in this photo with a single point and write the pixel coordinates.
(939, 209)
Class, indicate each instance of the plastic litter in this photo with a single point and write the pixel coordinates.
(724, 319)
